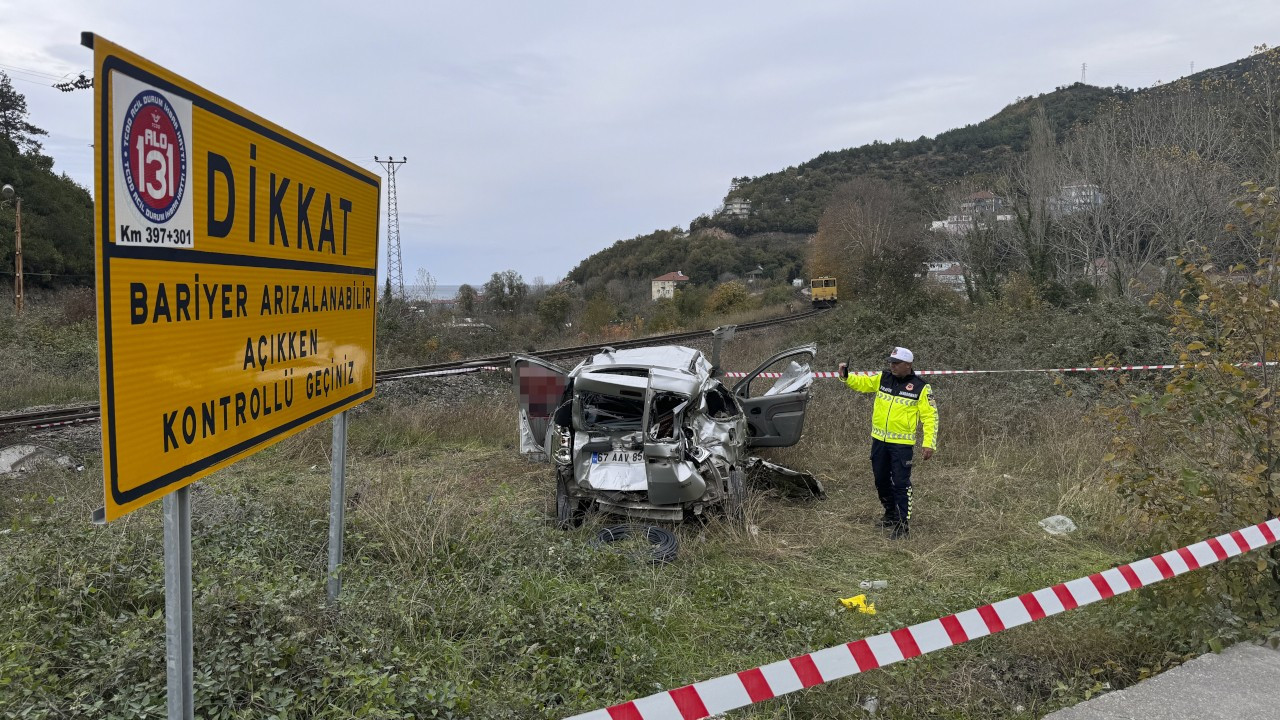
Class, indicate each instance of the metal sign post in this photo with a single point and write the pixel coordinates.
(177, 603)
(337, 503)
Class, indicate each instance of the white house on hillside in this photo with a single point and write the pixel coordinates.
(736, 207)
(961, 224)
(948, 273)
(664, 286)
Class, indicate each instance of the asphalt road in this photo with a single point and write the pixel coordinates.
(1242, 682)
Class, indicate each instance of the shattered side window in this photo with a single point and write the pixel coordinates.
(662, 415)
(720, 403)
(795, 378)
(610, 412)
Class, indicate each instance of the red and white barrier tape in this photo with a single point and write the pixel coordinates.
(711, 697)
(836, 375)
(1113, 368)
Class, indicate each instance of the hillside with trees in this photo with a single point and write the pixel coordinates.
(57, 214)
(789, 203)
(786, 206)
(793, 199)
(1096, 210)
(706, 256)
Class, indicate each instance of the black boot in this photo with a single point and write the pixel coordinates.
(889, 520)
(900, 531)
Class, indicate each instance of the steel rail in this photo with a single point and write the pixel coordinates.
(61, 417)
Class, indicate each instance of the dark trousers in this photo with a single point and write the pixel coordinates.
(891, 466)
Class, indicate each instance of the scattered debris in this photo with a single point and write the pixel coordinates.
(859, 603)
(871, 705)
(790, 483)
(1058, 525)
(873, 584)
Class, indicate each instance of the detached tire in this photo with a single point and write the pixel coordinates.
(570, 511)
(663, 546)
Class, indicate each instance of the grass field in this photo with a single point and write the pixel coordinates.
(461, 600)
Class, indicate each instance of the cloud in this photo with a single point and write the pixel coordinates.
(539, 133)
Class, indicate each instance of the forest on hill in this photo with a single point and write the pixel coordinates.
(786, 205)
(1086, 191)
(793, 199)
(1100, 208)
(57, 214)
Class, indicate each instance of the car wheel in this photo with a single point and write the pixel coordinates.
(570, 510)
(735, 495)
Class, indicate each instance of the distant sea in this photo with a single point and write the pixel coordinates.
(442, 292)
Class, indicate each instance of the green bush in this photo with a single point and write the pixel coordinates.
(728, 298)
(1200, 456)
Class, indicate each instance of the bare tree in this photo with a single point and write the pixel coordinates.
(1147, 179)
(1033, 185)
(872, 236)
(1255, 99)
(424, 285)
(974, 236)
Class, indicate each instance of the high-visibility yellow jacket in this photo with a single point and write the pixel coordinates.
(901, 405)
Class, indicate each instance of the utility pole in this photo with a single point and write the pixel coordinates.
(8, 192)
(1083, 67)
(395, 270)
(17, 259)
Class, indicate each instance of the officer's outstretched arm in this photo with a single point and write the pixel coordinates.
(862, 382)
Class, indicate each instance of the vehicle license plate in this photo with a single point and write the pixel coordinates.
(616, 456)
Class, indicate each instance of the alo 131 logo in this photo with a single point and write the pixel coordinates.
(154, 152)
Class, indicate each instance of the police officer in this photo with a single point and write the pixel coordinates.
(903, 402)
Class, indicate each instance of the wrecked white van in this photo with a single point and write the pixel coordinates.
(654, 433)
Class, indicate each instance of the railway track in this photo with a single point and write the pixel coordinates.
(63, 417)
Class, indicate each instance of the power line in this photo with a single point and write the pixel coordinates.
(43, 274)
(28, 71)
(395, 271)
(43, 78)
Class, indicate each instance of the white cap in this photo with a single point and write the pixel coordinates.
(903, 354)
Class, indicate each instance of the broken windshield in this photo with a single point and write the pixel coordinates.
(610, 412)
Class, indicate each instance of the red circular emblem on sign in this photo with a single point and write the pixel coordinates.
(154, 156)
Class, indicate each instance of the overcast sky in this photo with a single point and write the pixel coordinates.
(538, 133)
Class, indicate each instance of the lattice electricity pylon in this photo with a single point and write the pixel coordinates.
(395, 269)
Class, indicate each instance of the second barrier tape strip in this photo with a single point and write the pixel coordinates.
(836, 375)
(729, 692)
(1111, 368)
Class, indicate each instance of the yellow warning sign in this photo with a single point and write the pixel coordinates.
(237, 278)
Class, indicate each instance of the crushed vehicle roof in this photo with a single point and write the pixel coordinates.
(673, 368)
(675, 357)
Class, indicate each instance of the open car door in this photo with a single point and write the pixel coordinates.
(539, 389)
(775, 412)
